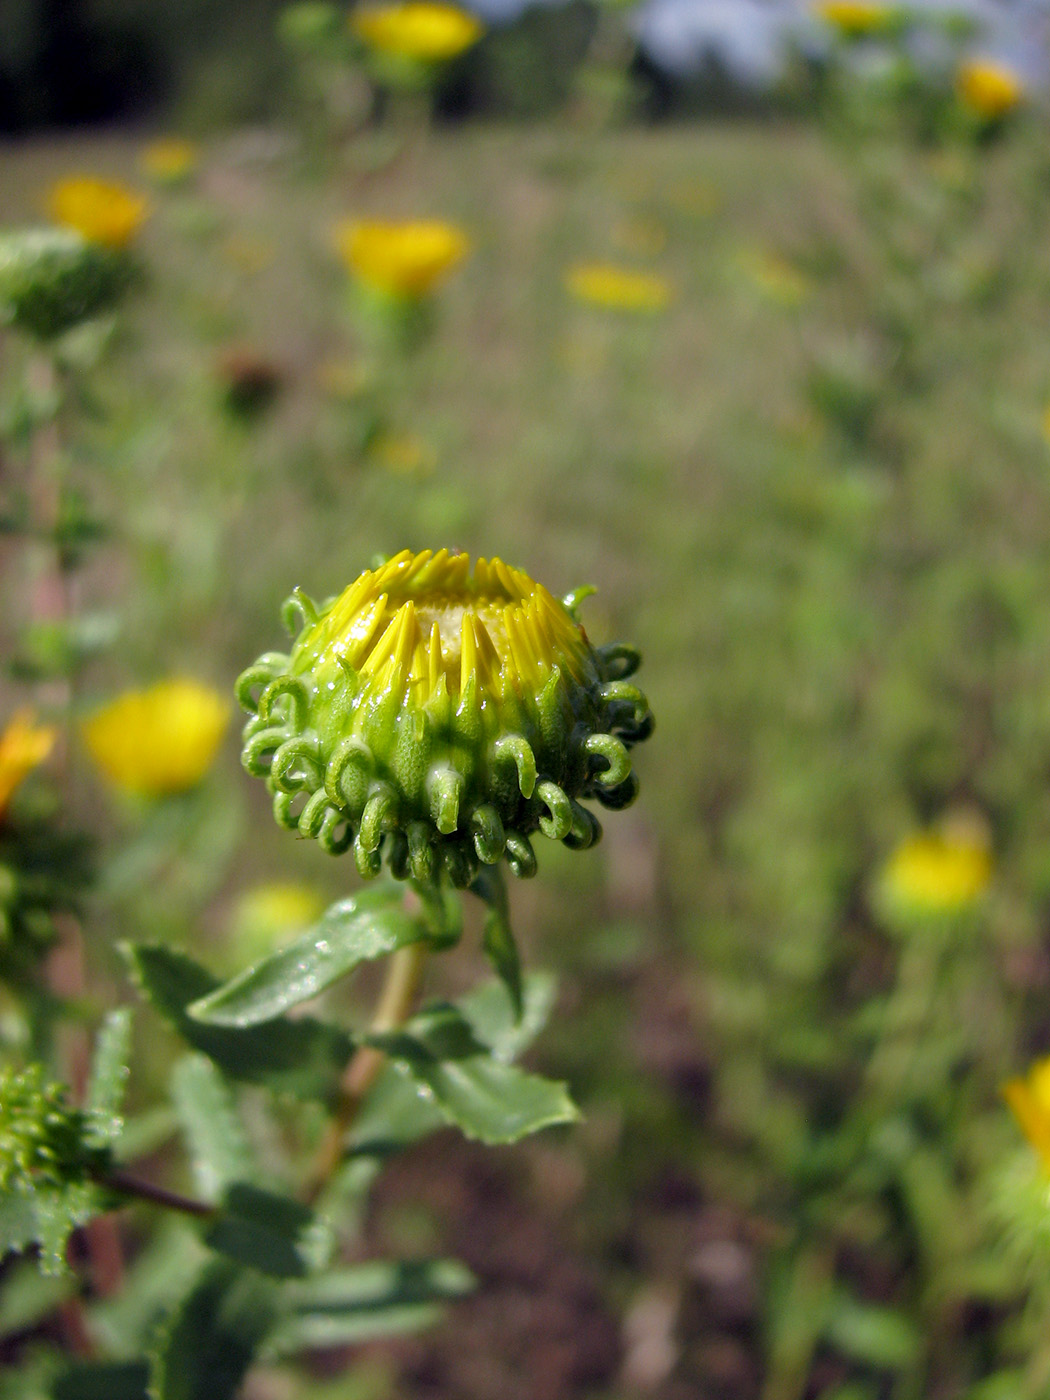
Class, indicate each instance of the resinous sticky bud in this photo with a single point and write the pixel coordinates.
(437, 716)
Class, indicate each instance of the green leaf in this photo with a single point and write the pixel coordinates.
(124, 1323)
(370, 925)
(214, 1133)
(874, 1335)
(377, 1299)
(272, 1233)
(109, 1074)
(27, 1296)
(487, 1098)
(46, 1216)
(304, 1057)
(122, 1380)
(17, 1222)
(497, 938)
(491, 1013)
(209, 1343)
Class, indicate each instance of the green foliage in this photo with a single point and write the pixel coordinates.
(303, 1057)
(370, 925)
(51, 280)
(487, 1098)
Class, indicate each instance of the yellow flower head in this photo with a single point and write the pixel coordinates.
(854, 19)
(1029, 1101)
(158, 741)
(100, 210)
(440, 714)
(23, 746)
(405, 260)
(989, 90)
(170, 160)
(419, 30)
(940, 871)
(618, 288)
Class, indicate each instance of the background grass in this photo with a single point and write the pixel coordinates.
(822, 508)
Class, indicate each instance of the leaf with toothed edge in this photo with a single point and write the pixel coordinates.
(305, 1057)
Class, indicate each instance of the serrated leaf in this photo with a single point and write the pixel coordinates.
(367, 926)
(46, 1216)
(17, 1222)
(214, 1133)
(272, 1233)
(122, 1380)
(497, 937)
(486, 1098)
(109, 1075)
(378, 1299)
(304, 1057)
(211, 1340)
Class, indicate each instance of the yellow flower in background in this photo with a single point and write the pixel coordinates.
(417, 29)
(158, 741)
(941, 871)
(618, 288)
(169, 160)
(23, 746)
(854, 18)
(99, 210)
(775, 277)
(990, 90)
(267, 914)
(404, 454)
(403, 259)
(1028, 1097)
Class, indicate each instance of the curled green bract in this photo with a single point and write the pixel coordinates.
(53, 279)
(438, 717)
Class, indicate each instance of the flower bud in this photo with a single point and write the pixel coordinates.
(441, 717)
(53, 279)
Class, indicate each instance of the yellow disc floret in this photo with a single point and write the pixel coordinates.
(441, 714)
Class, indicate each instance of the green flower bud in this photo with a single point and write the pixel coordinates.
(53, 279)
(440, 718)
(43, 1142)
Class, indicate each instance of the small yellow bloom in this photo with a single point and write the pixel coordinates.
(1029, 1100)
(401, 259)
(618, 288)
(775, 277)
(419, 30)
(404, 454)
(269, 913)
(158, 741)
(854, 18)
(940, 871)
(169, 160)
(989, 90)
(100, 210)
(23, 746)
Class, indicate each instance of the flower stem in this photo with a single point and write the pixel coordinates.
(403, 974)
(126, 1185)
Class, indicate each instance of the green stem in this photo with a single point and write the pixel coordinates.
(125, 1185)
(404, 971)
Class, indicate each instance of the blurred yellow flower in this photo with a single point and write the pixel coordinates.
(158, 741)
(618, 288)
(989, 90)
(854, 18)
(23, 746)
(940, 871)
(775, 277)
(169, 160)
(1029, 1101)
(421, 30)
(404, 454)
(269, 913)
(100, 210)
(401, 259)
